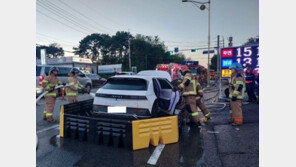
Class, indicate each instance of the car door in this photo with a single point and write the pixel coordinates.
(165, 88)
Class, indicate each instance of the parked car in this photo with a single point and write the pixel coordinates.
(97, 81)
(143, 95)
(42, 72)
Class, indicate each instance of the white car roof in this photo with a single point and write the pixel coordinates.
(146, 77)
(156, 74)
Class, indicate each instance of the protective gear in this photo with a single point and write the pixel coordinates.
(184, 70)
(74, 71)
(44, 114)
(49, 83)
(237, 80)
(72, 90)
(236, 66)
(53, 69)
(250, 84)
(233, 98)
(190, 93)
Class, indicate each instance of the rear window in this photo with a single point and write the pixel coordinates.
(38, 70)
(125, 84)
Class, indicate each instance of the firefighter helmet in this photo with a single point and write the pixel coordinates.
(74, 71)
(54, 68)
(236, 66)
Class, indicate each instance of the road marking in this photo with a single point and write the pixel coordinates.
(155, 155)
(49, 128)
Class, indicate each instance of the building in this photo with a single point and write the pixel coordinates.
(83, 64)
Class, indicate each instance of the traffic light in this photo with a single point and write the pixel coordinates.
(176, 50)
(193, 50)
(170, 52)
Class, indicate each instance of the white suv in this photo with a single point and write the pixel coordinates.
(143, 95)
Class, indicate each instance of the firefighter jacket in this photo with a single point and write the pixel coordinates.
(48, 83)
(237, 86)
(72, 90)
(189, 85)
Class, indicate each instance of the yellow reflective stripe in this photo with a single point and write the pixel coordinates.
(44, 111)
(181, 85)
(189, 93)
(194, 85)
(187, 77)
(44, 81)
(200, 91)
(230, 95)
(60, 83)
(230, 111)
(240, 97)
(236, 92)
(51, 94)
(71, 83)
(71, 94)
(207, 115)
(239, 82)
(48, 114)
(194, 114)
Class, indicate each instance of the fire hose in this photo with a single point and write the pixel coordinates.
(44, 93)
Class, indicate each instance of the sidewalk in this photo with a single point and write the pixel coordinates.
(228, 146)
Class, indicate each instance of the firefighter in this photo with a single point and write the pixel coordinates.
(49, 83)
(236, 93)
(251, 75)
(188, 86)
(72, 89)
(201, 105)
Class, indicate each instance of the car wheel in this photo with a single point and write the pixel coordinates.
(88, 88)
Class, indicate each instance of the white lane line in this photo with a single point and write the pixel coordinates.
(49, 128)
(155, 155)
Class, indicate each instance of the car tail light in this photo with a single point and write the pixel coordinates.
(41, 77)
(138, 111)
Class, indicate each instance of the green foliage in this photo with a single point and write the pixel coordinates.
(252, 40)
(146, 51)
(53, 50)
(213, 65)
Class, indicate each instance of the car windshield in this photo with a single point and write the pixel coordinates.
(126, 84)
(38, 70)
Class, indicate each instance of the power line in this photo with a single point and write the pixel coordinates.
(84, 15)
(50, 37)
(60, 22)
(58, 13)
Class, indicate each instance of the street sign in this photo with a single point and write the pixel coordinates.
(43, 58)
(206, 52)
(176, 50)
(170, 52)
(243, 54)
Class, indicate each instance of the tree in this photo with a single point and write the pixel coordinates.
(252, 40)
(52, 51)
(213, 65)
(93, 45)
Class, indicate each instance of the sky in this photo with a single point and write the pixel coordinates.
(178, 24)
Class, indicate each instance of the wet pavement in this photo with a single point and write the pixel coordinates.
(216, 144)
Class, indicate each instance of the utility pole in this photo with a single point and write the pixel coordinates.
(218, 66)
(129, 54)
(209, 38)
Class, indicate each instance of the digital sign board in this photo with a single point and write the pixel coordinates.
(244, 55)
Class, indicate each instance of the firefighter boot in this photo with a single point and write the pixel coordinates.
(44, 115)
(49, 117)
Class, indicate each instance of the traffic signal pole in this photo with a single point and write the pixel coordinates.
(209, 39)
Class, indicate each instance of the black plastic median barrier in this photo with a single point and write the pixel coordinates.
(80, 123)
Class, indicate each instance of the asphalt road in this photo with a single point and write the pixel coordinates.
(191, 150)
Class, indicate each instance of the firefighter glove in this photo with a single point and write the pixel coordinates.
(233, 98)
